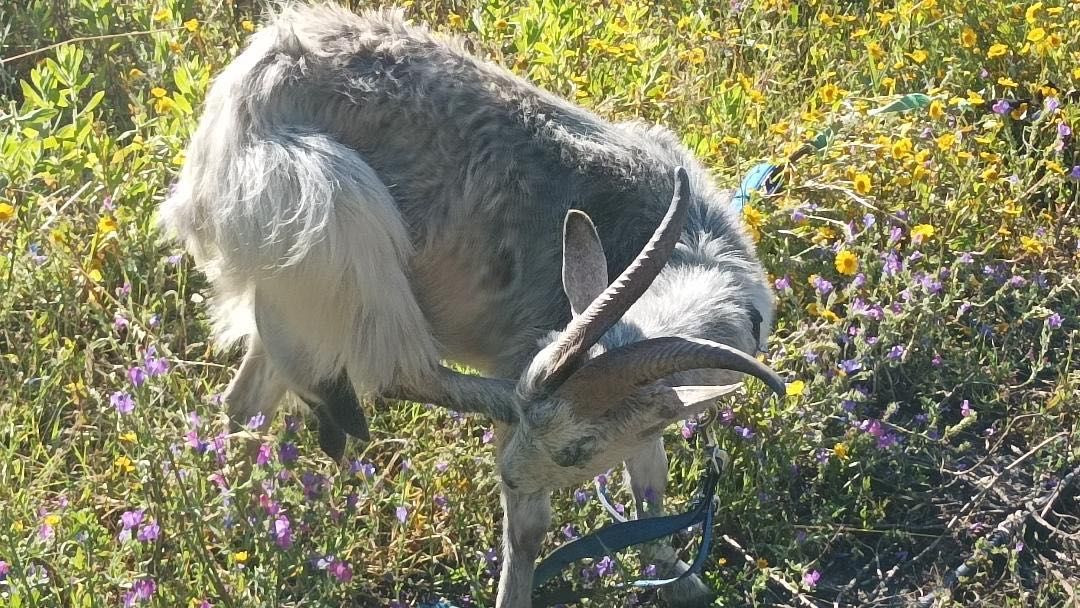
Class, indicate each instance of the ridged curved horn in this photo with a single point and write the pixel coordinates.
(606, 380)
(492, 397)
(563, 355)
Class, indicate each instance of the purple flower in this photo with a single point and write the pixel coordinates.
(35, 254)
(850, 366)
(292, 424)
(363, 468)
(965, 408)
(265, 454)
(744, 432)
(936, 360)
(120, 322)
(195, 443)
(256, 421)
(5, 570)
(340, 571)
(442, 466)
(1017, 281)
(689, 427)
(1054, 321)
(858, 281)
(569, 532)
(581, 496)
(174, 260)
(441, 501)
(784, 282)
(288, 452)
(155, 366)
(1001, 106)
(1075, 173)
(488, 436)
(897, 352)
(822, 455)
(136, 375)
(1064, 130)
(893, 264)
(122, 402)
(895, 234)
(605, 566)
(823, 286)
(811, 578)
(149, 533)
(649, 571)
(1051, 104)
(141, 591)
(282, 532)
(155, 320)
(131, 519)
(402, 513)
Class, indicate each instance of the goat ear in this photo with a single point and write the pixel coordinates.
(584, 270)
(692, 397)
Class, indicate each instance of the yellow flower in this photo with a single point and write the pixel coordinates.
(753, 217)
(937, 109)
(6, 212)
(829, 93)
(124, 464)
(1030, 245)
(997, 50)
(945, 141)
(796, 388)
(501, 25)
(191, 25)
(247, 26)
(762, 563)
(975, 98)
(164, 105)
(694, 56)
(1032, 13)
(161, 14)
(129, 437)
(729, 140)
(968, 38)
(885, 18)
(455, 20)
(862, 184)
(846, 262)
(158, 92)
(135, 73)
(902, 148)
(922, 232)
(918, 55)
(240, 557)
(52, 519)
(1036, 34)
(1005, 81)
(841, 451)
(990, 175)
(106, 225)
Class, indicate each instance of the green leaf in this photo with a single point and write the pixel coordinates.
(93, 103)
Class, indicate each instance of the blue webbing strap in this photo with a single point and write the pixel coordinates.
(621, 535)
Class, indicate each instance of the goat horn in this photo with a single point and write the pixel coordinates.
(492, 397)
(587, 328)
(607, 379)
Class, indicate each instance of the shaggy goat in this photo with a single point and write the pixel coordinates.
(368, 199)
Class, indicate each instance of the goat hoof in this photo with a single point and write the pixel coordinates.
(690, 592)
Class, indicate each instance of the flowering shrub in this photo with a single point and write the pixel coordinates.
(925, 267)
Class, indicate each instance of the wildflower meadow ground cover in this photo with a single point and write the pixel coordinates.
(925, 265)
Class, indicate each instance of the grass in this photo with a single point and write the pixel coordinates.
(926, 267)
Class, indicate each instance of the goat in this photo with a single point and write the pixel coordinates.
(368, 199)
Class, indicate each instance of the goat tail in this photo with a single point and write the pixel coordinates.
(301, 240)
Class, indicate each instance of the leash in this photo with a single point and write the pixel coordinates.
(621, 535)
